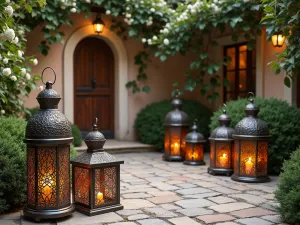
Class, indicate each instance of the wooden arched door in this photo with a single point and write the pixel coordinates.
(94, 86)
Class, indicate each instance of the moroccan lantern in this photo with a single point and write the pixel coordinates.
(194, 147)
(96, 177)
(251, 140)
(221, 147)
(176, 125)
(48, 138)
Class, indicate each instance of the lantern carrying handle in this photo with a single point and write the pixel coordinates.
(251, 94)
(53, 72)
(225, 106)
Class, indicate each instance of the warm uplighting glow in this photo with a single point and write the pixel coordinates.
(100, 198)
(175, 148)
(98, 25)
(249, 166)
(223, 160)
(278, 40)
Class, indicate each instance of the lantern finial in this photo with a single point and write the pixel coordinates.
(195, 126)
(95, 127)
(251, 109)
(177, 102)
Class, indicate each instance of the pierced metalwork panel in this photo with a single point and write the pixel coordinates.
(167, 140)
(248, 158)
(81, 180)
(223, 155)
(105, 186)
(47, 178)
(262, 160)
(212, 154)
(175, 144)
(64, 176)
(31, 177)
(194, 152)
(236, 158)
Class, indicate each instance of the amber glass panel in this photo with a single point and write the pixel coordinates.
(47, 178)
(236, 157)
(248, 158)
(242, 80)
(64, 176)
(167, 140)
(231, 63)
(184, 132)
(223, 155)
(81, 181)
(175, 141)
(262, 160)
(105, 186)
(212, 154)
(31, 176)
(243, 57)
(194, 152)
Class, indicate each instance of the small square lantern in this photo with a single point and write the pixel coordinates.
(221, 147)
(251, 140)
(96, 177)
(176, 125)
(48, 138)
(194, 147)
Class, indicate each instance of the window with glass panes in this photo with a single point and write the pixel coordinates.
(240, 71)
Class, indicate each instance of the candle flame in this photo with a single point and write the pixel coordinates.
(224, 155)
(176, 144)
(250, 159)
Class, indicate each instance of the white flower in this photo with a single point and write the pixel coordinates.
(7, 1)
(16, 40)
(14, 78)
(127, 8)
(128, 15)
(73, 10)
(108, 12)
(152, 10)
(149, 23)
(74, 4)
(6, 71)
(23, 71)
(166, 41)
(5, 60)
(23, 83)
(144, 40)
(28, 76)
(9, 10)
(34, 62)
(2, 111)
(20, 53)
(149, 42)
(41, 87)
(88, 1)
(154, 38)
(9, 34)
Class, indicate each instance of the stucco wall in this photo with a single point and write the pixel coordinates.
(161, 75)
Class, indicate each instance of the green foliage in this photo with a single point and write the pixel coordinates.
(283, 17)
(13, 183)
(12, 162)
(283, 121)
(288, 191)
(149, 121)
(77, 136)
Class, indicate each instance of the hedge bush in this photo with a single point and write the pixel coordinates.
(75, 130)
(149, 121)
(283, 121)
(13, 162)
(288, 191)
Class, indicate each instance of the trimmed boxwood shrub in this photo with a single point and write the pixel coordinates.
(149, 121)
(283, 121)
(13, 182)
(288, 191)
(75, 130)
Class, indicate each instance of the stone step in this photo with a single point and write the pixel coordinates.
(115, 146)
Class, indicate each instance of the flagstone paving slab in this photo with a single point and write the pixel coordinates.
(155, 192)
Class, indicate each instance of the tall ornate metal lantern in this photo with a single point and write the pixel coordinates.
(194, 147)
(251, 140)
(48, 138)
(221, 147)
(96, 177)
(176, 125)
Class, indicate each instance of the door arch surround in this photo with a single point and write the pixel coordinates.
(120, 74)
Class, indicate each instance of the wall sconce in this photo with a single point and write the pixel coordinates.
(98, 25)
(278, 40)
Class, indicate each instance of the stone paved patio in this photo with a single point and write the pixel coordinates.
(155, 192)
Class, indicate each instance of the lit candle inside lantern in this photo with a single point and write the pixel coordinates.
(223, 159)
(176, 149)
(249, 166)
(100, 198)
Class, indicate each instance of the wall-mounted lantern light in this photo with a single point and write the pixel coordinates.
(278, 40)
(98, 25)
